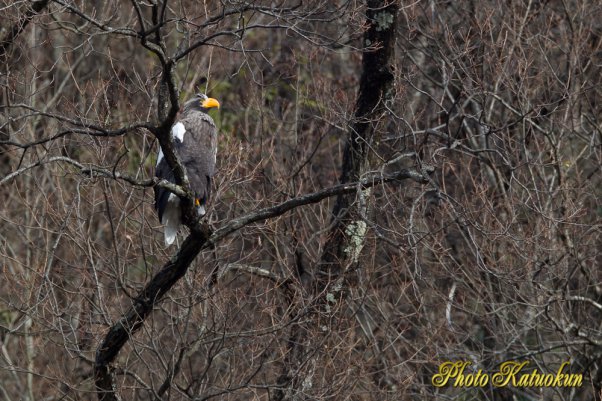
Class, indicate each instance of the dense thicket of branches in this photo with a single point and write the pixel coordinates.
(469, 139)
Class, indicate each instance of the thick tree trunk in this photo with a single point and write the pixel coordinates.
(347, 236)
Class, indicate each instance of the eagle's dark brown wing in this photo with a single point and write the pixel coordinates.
(195, 140)
(198, 153)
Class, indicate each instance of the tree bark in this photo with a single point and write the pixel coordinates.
(347, 235)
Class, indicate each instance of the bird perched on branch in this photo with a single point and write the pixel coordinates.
(194, 137)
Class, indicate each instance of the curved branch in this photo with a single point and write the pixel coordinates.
(103, 133)
(22, 170)
(91, 170)
(99, 129)
(346, 188)
(141, 307)
(103, 27)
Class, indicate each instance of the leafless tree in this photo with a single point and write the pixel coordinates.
(400, 184)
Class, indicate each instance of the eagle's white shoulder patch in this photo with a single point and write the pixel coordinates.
(178, 131)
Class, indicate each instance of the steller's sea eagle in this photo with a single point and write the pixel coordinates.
(194, 137)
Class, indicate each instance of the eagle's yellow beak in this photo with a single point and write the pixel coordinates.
(209, 103)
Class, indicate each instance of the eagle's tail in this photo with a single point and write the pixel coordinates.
(171, 219)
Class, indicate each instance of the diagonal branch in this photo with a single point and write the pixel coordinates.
(201, 238)
(337, 190)
(141, 307)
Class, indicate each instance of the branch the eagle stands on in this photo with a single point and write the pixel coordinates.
(201, 237)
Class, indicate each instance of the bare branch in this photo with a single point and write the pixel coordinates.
(201, 238)
(90, 170)
(9, 37)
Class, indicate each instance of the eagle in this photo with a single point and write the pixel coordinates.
(194, 136)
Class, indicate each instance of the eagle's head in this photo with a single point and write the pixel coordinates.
(200, 102)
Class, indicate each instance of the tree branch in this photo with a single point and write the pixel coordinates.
(141, 307)
(281, 208)
(8, 39)
(91, 170)
(100, 131)
(100, 25)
